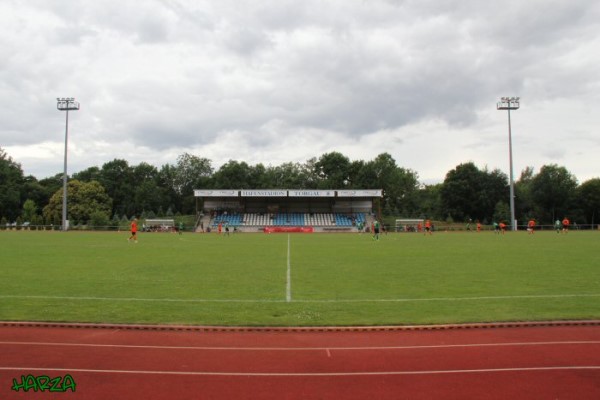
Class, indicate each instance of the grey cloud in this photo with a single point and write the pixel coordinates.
(183, 73)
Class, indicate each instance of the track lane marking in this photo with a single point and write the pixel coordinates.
(308, 374)
(288, 282)
(327, 348)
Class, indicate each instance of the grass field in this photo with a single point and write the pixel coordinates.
(298, 279)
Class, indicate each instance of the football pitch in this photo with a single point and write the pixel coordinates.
(298, 279)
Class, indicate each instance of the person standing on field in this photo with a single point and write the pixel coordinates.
(531, 226)
(565, 224)
(557, 226)
(375, 230)
(133, 230)
(427, 227)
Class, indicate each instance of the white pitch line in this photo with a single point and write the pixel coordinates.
(288, 285)
(305, 374)
(133, 299)
(398, 300)
(541, 296)
(328, 348)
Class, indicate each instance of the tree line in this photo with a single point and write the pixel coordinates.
(118, 191)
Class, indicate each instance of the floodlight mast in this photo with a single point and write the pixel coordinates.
(510, 103)
(66, 104)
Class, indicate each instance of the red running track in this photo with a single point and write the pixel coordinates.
(542, 361)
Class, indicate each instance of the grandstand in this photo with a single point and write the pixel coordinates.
(255, 210)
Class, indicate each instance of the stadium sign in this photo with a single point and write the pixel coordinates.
(264, 193)
(311, 193)
(287, 193)
(360, 193)
(216, 193)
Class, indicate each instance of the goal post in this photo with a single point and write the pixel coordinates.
(409, 225)
(159, 225)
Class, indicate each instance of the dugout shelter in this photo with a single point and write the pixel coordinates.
(287, 210)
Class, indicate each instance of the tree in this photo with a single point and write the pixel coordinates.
(166, 181)
(98, 219)
(494, 189)
(29, 210)
(523, 200)
(552, 191)
(285, 176)
(11, 179)
(501, 212)
(309, 172)
(428, 202)
(257, 177)
(233, 174)
(399, 185)
(84, 199)
(148, 196)
(88, 175)
(588, 198)
(117, 178)
(469, 193)
(191, 172)
(333, 171)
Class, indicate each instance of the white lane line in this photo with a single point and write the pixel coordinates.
(288, 286)
(304, 374)
(327, 349)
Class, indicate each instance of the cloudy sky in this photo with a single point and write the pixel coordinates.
(286, 80)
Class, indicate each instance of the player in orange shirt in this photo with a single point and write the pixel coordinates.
(565, 224)
(427, 227)
(502, 227)
(531, 226)
(133, 230)
(478, 226)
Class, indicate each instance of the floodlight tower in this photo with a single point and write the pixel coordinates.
(66, 104)
(510, 103)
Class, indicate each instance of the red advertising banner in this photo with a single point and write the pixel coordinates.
(289, 229)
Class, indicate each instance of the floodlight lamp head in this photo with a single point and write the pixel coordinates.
(67, 104)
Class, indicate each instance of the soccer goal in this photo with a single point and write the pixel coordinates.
(409, 225)
(159, 225)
